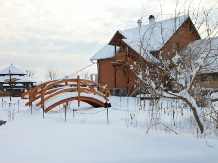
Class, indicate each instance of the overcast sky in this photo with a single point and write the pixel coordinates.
(64, 34)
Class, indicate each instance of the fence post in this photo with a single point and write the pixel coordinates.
(74, 111)
(18, 105)
(42, 101)
(31, 106)
(78, 90)
(65, 107)
(107, 114)
(107, 105)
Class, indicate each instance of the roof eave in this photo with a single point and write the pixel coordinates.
(116, 35)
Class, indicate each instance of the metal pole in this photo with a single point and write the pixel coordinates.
(18, 105)
(74, 111)
(65, 112)
(43, 112)
(10, 84)
(107, 115)
(31, 108)
(2, 103)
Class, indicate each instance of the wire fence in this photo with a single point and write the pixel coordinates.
(134, 112)
(17, 104)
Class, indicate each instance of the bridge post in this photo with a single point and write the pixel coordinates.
(18, 106)
(78, 90)
(65, 107)
(42, 100)
(30, 102)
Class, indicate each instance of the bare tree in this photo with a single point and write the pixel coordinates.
(30, 72)
(175, 73)
(84, 75)
(51, 73)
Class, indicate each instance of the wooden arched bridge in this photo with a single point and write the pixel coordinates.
(48, 95)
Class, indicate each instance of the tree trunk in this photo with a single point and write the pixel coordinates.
(195, 115)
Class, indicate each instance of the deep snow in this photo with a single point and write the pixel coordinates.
(88, 138)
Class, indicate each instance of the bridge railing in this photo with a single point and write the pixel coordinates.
(47, 90)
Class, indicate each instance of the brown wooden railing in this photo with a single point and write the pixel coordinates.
(47, 90)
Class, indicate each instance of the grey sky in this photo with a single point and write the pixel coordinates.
(64, 34)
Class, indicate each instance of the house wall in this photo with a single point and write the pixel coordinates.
(106, 72)
(120, 76)
(210, 81)
(209, 84)
(107, 75)
(182, 37)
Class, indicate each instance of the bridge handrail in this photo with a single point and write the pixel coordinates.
(85, 90)
(44, 89)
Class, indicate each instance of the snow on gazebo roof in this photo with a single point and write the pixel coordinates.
(153, 37)
(13, 70)
(20, 79)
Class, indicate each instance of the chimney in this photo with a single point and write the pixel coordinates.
(151, 20)
(139, 23)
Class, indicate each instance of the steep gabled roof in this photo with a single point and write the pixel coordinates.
(116, 36)
(13, 70)
(152, 37)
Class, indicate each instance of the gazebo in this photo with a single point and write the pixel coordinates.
(13, 81)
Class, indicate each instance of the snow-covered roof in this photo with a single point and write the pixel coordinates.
(152, 36)
(106, 52)
(13, 70)
(22, 79)
(199, 49)
(17, 85)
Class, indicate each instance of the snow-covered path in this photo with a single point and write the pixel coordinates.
(88, 138)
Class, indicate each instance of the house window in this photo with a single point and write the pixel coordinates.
(127, 51)
(215, 76)
(175, 46)
(203, 77)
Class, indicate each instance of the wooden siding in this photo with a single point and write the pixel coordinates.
(106, 72)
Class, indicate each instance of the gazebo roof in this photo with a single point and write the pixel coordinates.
(13, 71)
(15, 74)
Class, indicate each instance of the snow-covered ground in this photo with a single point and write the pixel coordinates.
(86, 137)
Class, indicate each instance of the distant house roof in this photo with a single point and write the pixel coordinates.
(13, 70)
(199, 49)
(151, 36)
